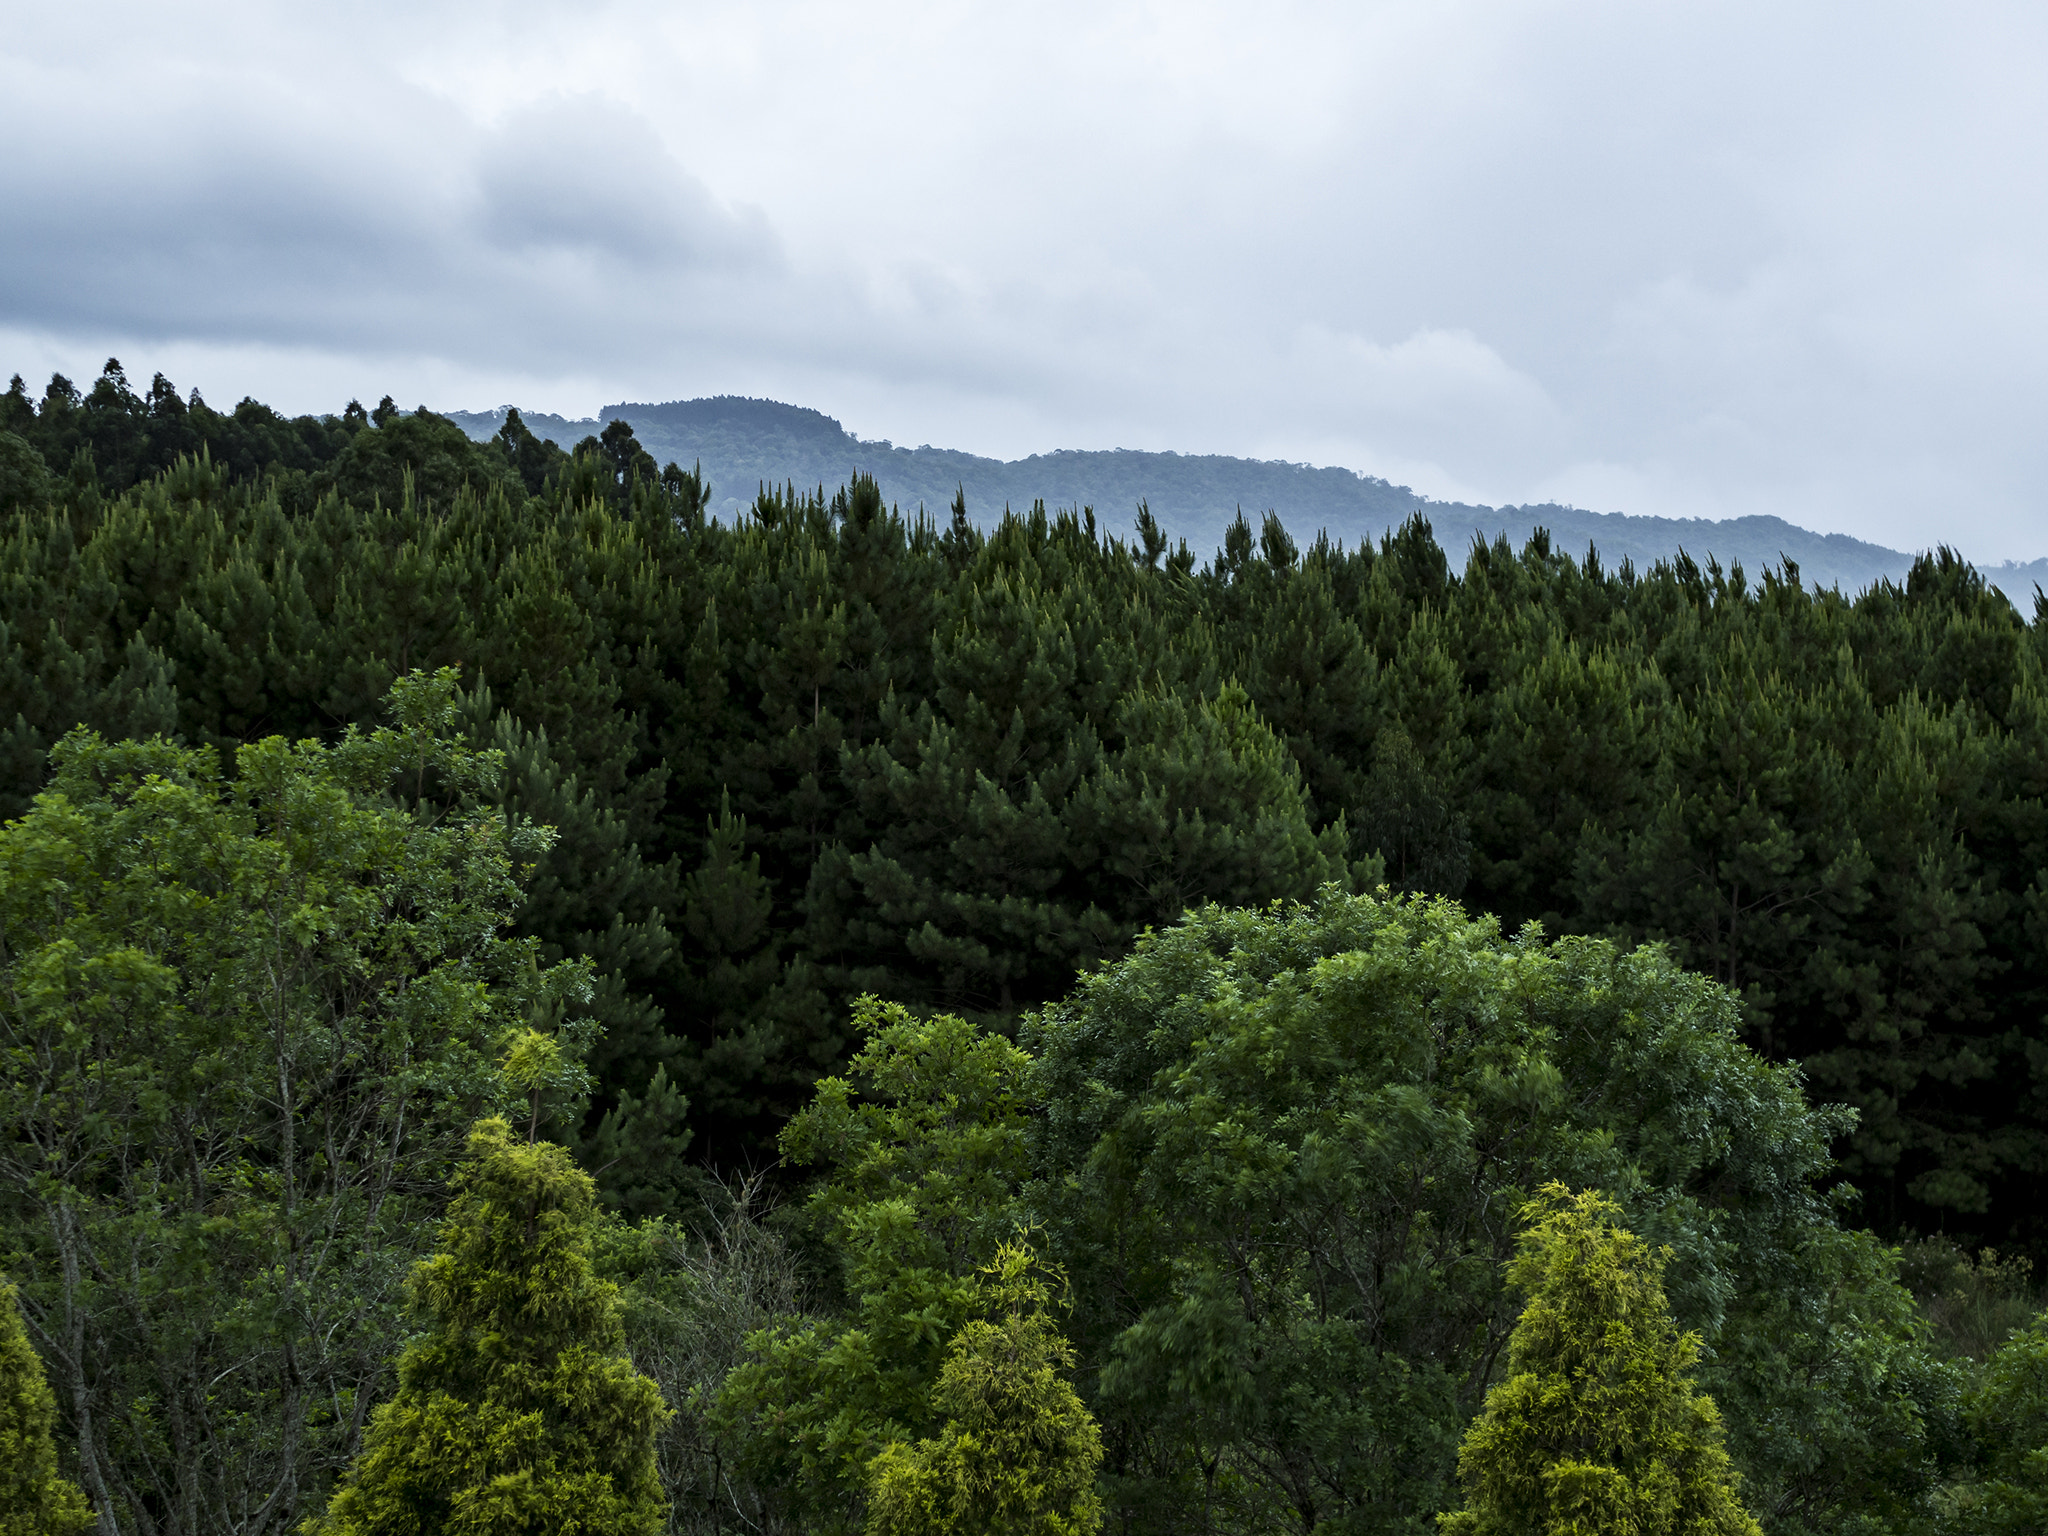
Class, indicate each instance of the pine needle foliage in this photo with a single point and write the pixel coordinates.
(34, 1500)
(1597, 1431)
(819, 747)
(518, 1413)
(1018, 1452)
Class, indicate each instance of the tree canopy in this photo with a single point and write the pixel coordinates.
(1597, 1426)
(517, 1412)
(1245, 935)
(244, 1021)
(831, 746)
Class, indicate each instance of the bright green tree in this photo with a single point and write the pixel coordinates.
(1597, 1431)
(2010, 1416)
(923, 1144)
(518, 1411)
(34, 1500)
(1018, 1452)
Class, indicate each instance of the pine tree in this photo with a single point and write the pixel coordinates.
(1597, 1430)
(1409, 822)
(517, 1413)
(34, 1500)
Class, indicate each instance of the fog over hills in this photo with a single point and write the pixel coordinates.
(742, 444)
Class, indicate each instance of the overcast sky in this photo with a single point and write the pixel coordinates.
(1697, 260)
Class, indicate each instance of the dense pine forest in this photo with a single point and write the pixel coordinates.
(740, 443)
(1002, 937)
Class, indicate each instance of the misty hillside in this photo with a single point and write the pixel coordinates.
(743, 444)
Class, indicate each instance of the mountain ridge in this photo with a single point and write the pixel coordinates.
(743, 442)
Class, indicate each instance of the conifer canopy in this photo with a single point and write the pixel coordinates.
(34, 1500)
(517, 1413)
(1597, 1431)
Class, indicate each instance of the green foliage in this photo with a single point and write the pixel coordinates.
(518, 1412)
(34, 1499)
(1406, 820)
(244, 1021)
(1842, 1413)
(416, 455)
(1278, 1153)
(531, 458)
(822, 748)
(931, 1115)
(24, 482)
(1017, 1453)
(923, 1145)
(129, 438)
(1972, 1302)
(1597, 1430)
(819, 748)
(692, 1298)
(2010, 1417)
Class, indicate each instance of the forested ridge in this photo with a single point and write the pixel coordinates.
(1766, 849)
(742, 442)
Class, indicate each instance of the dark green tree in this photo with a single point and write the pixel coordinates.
(415, 454)
(1405, 819)
(532, 458)
(24, 480)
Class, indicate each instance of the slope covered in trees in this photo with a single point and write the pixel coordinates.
(1094, 825)
(741, 444)
(828, 749)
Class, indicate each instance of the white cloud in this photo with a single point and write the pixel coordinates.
(1696, 260)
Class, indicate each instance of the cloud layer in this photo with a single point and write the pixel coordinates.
(1653, 258)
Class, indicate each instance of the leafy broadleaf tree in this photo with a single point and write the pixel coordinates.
(923, 1145)
(34, 1500)
(244, 1024)
(1597, 1430)
(1018, 1452)
(518, 1411)
(1279, 1153)
(2010, 1416)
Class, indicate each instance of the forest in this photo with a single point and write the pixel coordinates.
(740, 443)
(1004, 1021)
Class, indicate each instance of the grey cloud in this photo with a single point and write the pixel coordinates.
(1712, 260)
(588, 175)
(410, 228)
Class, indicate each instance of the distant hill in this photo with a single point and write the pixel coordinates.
(743, 443)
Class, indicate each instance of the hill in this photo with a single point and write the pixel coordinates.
(743, 444)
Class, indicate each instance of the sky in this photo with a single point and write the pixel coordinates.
(1694, 260)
